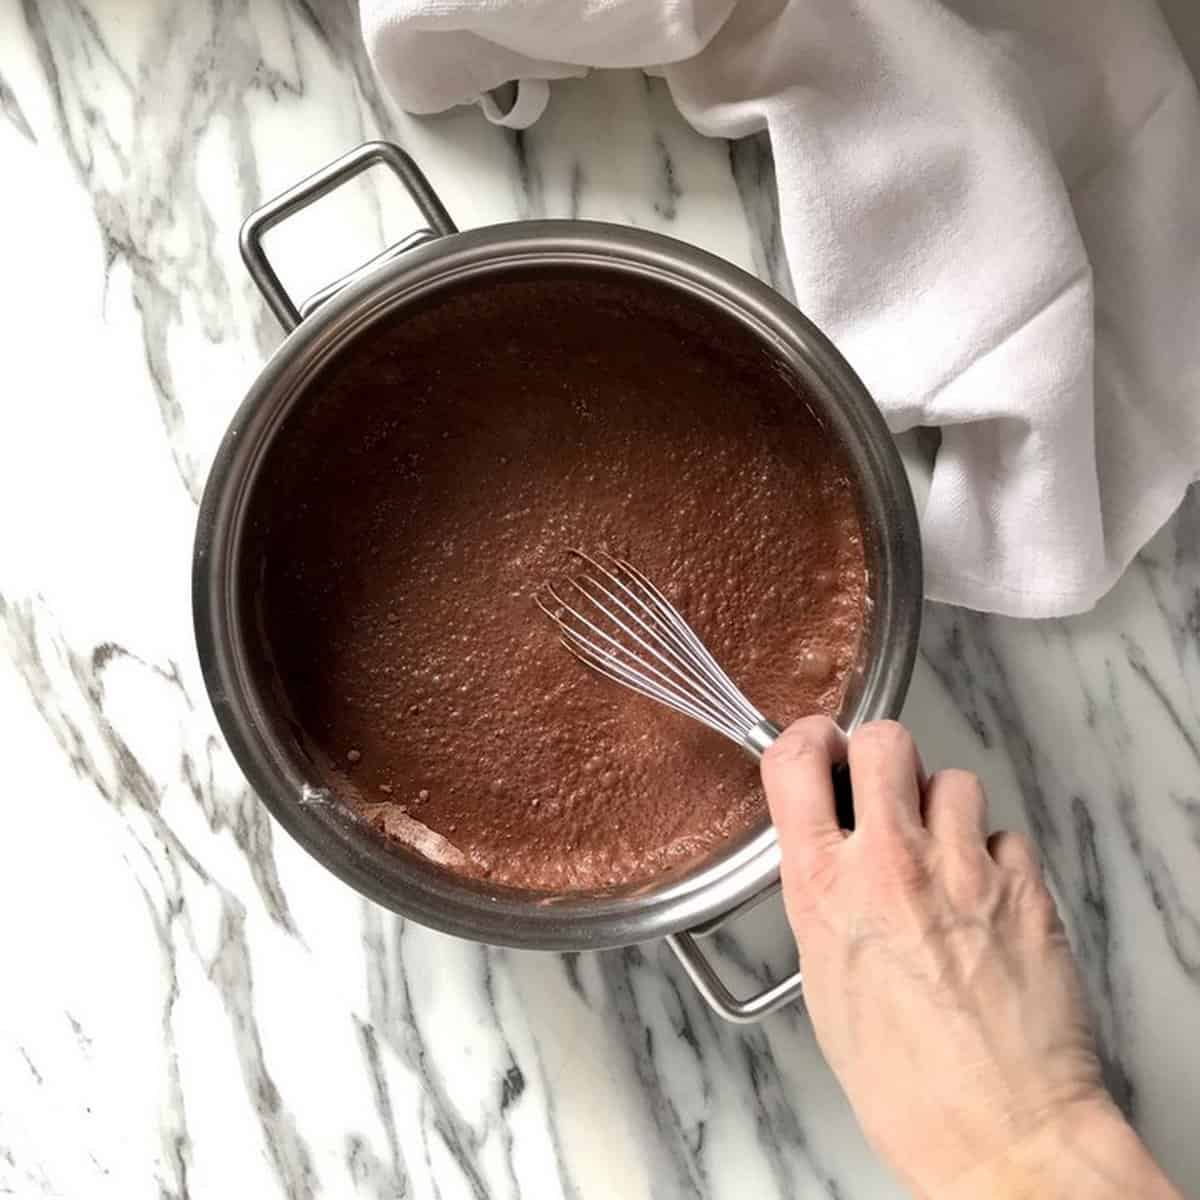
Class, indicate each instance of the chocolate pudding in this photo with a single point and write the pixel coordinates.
(434, 481)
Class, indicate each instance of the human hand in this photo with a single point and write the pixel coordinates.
(939, 978)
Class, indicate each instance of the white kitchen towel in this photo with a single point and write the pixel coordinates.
(991, 206)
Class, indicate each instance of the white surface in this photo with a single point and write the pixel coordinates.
(189, 1005)
(987, 207)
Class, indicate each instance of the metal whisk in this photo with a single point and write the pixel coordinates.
(614, 620)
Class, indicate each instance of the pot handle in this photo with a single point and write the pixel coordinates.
(708, 982)
(319, 184)
(710, 985)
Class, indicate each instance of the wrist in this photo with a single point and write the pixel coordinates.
(1087, 1151)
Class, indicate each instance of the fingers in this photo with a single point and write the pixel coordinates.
(1014, 852)
(797, 775)
(956, 808)
(885, 771)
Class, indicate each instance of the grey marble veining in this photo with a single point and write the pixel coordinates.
(190, 1006)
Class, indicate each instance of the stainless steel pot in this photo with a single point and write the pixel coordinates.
(684, 905)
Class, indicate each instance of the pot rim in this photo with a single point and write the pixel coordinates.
(349, 848)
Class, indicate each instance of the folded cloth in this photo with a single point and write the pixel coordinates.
(988, 205)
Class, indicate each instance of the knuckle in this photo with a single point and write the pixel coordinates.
(882, 735)
(972, 877)
(819, 730)
(780, 759)
(818, 724)
(956, 780)
(786, 750)
(1016, 849)
(805, 739)
(1034, 897)
(903, 864)
(956, 805)
(1022, 843)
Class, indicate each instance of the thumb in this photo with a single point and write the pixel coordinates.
(797, 772)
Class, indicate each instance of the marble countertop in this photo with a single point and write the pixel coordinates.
(189, 1006)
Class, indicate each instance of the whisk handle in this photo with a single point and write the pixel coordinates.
(759, 737)
(843, 795)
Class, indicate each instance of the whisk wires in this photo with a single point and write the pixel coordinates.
(618, 623)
